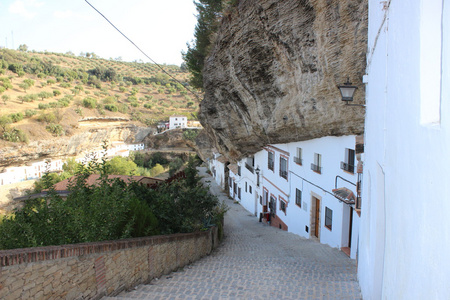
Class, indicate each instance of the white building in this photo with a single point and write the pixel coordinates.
(136, 147)
(405, 232)
(177, 121)
(294, 187)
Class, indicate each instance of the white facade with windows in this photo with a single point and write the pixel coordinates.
(177, 121)
(292, 185)
(405, 235)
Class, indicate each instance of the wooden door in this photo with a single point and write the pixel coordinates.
(317, 218)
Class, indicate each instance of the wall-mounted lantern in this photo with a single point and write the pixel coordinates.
(347, 90)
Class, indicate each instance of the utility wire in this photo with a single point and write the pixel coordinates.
(158, 65)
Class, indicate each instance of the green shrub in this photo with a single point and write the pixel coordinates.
(56, 93)
(15, 135)
(16, 117)
(111, 107)
(30, 112)
(43, 106)
(89, 102)
(55, 129)
(49, 117)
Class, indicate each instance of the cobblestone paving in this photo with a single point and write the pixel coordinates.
(257, 261)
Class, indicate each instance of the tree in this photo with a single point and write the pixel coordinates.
(44, 95)
(23, 48)
(121, 166)
(5, 98)
(5, 121)
(207, 24)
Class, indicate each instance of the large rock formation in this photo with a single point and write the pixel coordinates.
(62, 147)
(272, 73)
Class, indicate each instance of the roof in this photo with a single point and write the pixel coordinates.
(222, 159)
(345, 195)
(233, 168)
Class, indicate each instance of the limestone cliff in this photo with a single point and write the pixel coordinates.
(92, 138)
(272, 73)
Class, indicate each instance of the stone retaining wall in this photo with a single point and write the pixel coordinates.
(94, 270)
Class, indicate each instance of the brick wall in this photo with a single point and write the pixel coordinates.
(94, 270)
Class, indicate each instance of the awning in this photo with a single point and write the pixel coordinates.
(345, 195)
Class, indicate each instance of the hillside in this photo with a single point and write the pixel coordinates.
(44, 95)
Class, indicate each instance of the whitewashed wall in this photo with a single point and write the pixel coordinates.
(297, 218)
(405, 235)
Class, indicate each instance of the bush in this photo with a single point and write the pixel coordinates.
(47, 117)
(55, 129)
(15, 135)
(43, 106)
(111, 107)
(16, 117)
(30, 112)
(89, 102)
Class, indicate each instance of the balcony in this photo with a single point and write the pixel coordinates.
(271, 165)
(283, 174)
(250, 168)
(347, 167)
(298, 160)
(316, 168)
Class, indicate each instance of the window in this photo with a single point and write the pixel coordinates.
(273, 205)
(317, 165)
(250, 164)
(246, 186)
(250, 189)
(239, 170)
(270, 163)
(298, 197)
(266, 197)
(283, 167)
(239, 193)
(349, 163)
(328, 218)
(282, 206)
(298, 158)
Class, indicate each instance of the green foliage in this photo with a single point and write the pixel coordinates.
(110, 209)
(89, 102)
(45, 95)
(175, 165)
(16, 68)
(55, 129)
(49, 117)
(56, 93)
(120, 166)
(190, 135)
(111, 107)
(30, 112)
(207, 24)
(14, 135)
(16, 117)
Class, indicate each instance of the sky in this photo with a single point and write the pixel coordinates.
(161, 28)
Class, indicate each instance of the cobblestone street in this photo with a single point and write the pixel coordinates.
(256, 261)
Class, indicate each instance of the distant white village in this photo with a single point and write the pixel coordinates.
(36, 169)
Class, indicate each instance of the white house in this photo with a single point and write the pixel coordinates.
(405, 231)
(177, 121)
(136, 147)
(308, 188)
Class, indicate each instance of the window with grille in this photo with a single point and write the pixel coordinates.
(283, 167)
(270, 161)
(298, 197)
(328, 218)
(349, 162)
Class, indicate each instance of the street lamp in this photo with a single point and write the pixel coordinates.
(347, 90)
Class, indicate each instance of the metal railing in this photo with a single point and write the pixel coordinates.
(250, 168)
(347, 167)
(298, 160)
(316, 168)
(283, 174)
